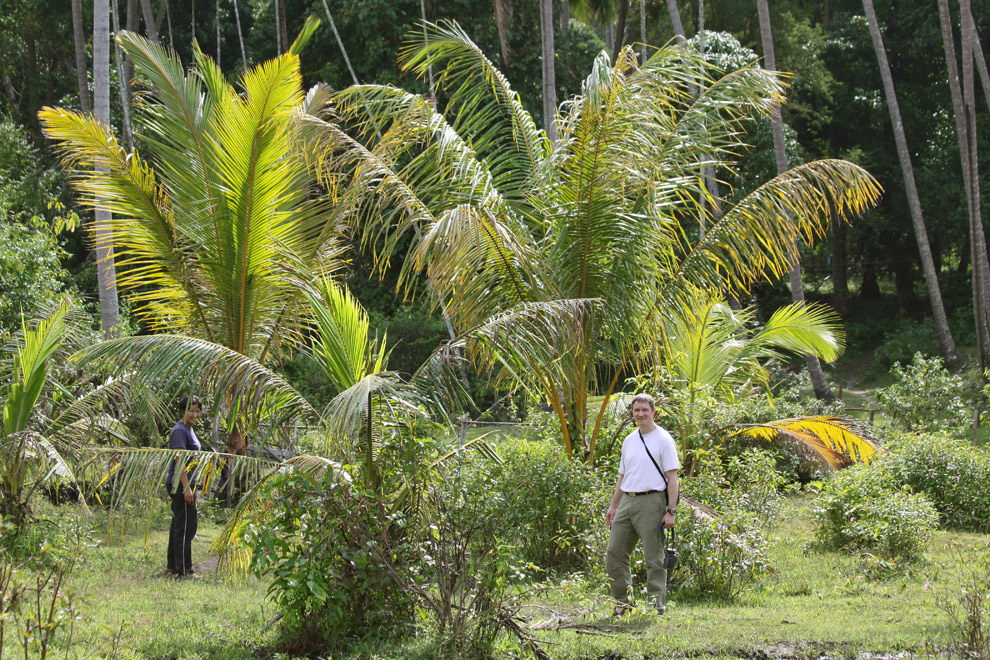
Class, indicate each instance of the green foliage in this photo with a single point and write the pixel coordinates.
(904, 340)
(747, 482)
(952, 474)
(863, 508)
(548, 506)
(31, 275)
(719, 556)
(322, 548)
(926, 397)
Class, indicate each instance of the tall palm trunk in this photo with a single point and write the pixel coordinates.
(217, 21)
(675, 21)
(620, 28)
(976, 222)
(240, 37)
(283, 29)
(549, 74)
(818, 382)
(79, 41)
(105, 272)
(978, 252)
(503, 14)
(642, 31)
(946, 342)
(150, 25)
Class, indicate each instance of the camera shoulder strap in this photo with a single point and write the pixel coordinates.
(653, 460)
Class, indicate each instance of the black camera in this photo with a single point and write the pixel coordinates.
(670, 555)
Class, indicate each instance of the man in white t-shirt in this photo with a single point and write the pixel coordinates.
(642, 506)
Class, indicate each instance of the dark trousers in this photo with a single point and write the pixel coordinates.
(180, 535)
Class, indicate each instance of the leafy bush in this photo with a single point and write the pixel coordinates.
(926, 397)
(863, 508)
(906, 340)
(547, 503)
(322, 547)
(719, 556)
(748, 482)
(953, 475)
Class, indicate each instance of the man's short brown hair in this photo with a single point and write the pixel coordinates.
(642, 397)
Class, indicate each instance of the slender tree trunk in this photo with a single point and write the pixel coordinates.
(192, 14)
(125, 68)
(150, 25)
(642, 31)
(818, 382)
(240, 37)
(549, 74)
(503, 15)
(79, 40)
(105, 272)
(976, 220)
(433, 102)
(840, 286)
(565, 18)
(340, 43)
(948, 345)
(283, 29)
(675, 21)
(609, 35)
(217, 20)
(978, 254)
(620, 29)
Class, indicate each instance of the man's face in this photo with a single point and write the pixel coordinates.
(642, 412)
(193, 413)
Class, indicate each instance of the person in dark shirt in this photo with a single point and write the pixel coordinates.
(183, 497)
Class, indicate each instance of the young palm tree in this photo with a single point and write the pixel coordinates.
(560, 263)
(202, 221)
(39, 438)
(712, 356)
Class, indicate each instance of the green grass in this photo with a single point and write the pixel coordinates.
(815, 603)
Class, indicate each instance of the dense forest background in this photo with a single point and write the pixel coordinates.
(869, 270)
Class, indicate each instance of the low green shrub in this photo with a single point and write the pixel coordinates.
(926, 397)
(747, 482)
(953, 475)
(864, 508)
(322, 549)
(547, 503)
(719, 555)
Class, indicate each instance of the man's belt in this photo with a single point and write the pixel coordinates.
(645, 492)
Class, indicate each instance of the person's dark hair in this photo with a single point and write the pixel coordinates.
(187, 402)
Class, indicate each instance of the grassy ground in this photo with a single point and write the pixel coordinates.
(816, 603)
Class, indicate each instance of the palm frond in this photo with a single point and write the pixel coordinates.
(486, 110)
(756, 237)
(839, 441)
(176, 362)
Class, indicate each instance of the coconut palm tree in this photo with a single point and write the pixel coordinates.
(818, 382)
(202, 220)
(945, 339)
(560, 263)
(105, 271)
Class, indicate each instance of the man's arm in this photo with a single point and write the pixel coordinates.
(616, 498)
(673, 495)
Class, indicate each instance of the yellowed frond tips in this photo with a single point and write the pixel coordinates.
(837, 440)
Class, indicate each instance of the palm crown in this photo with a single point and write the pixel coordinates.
(556, 260)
